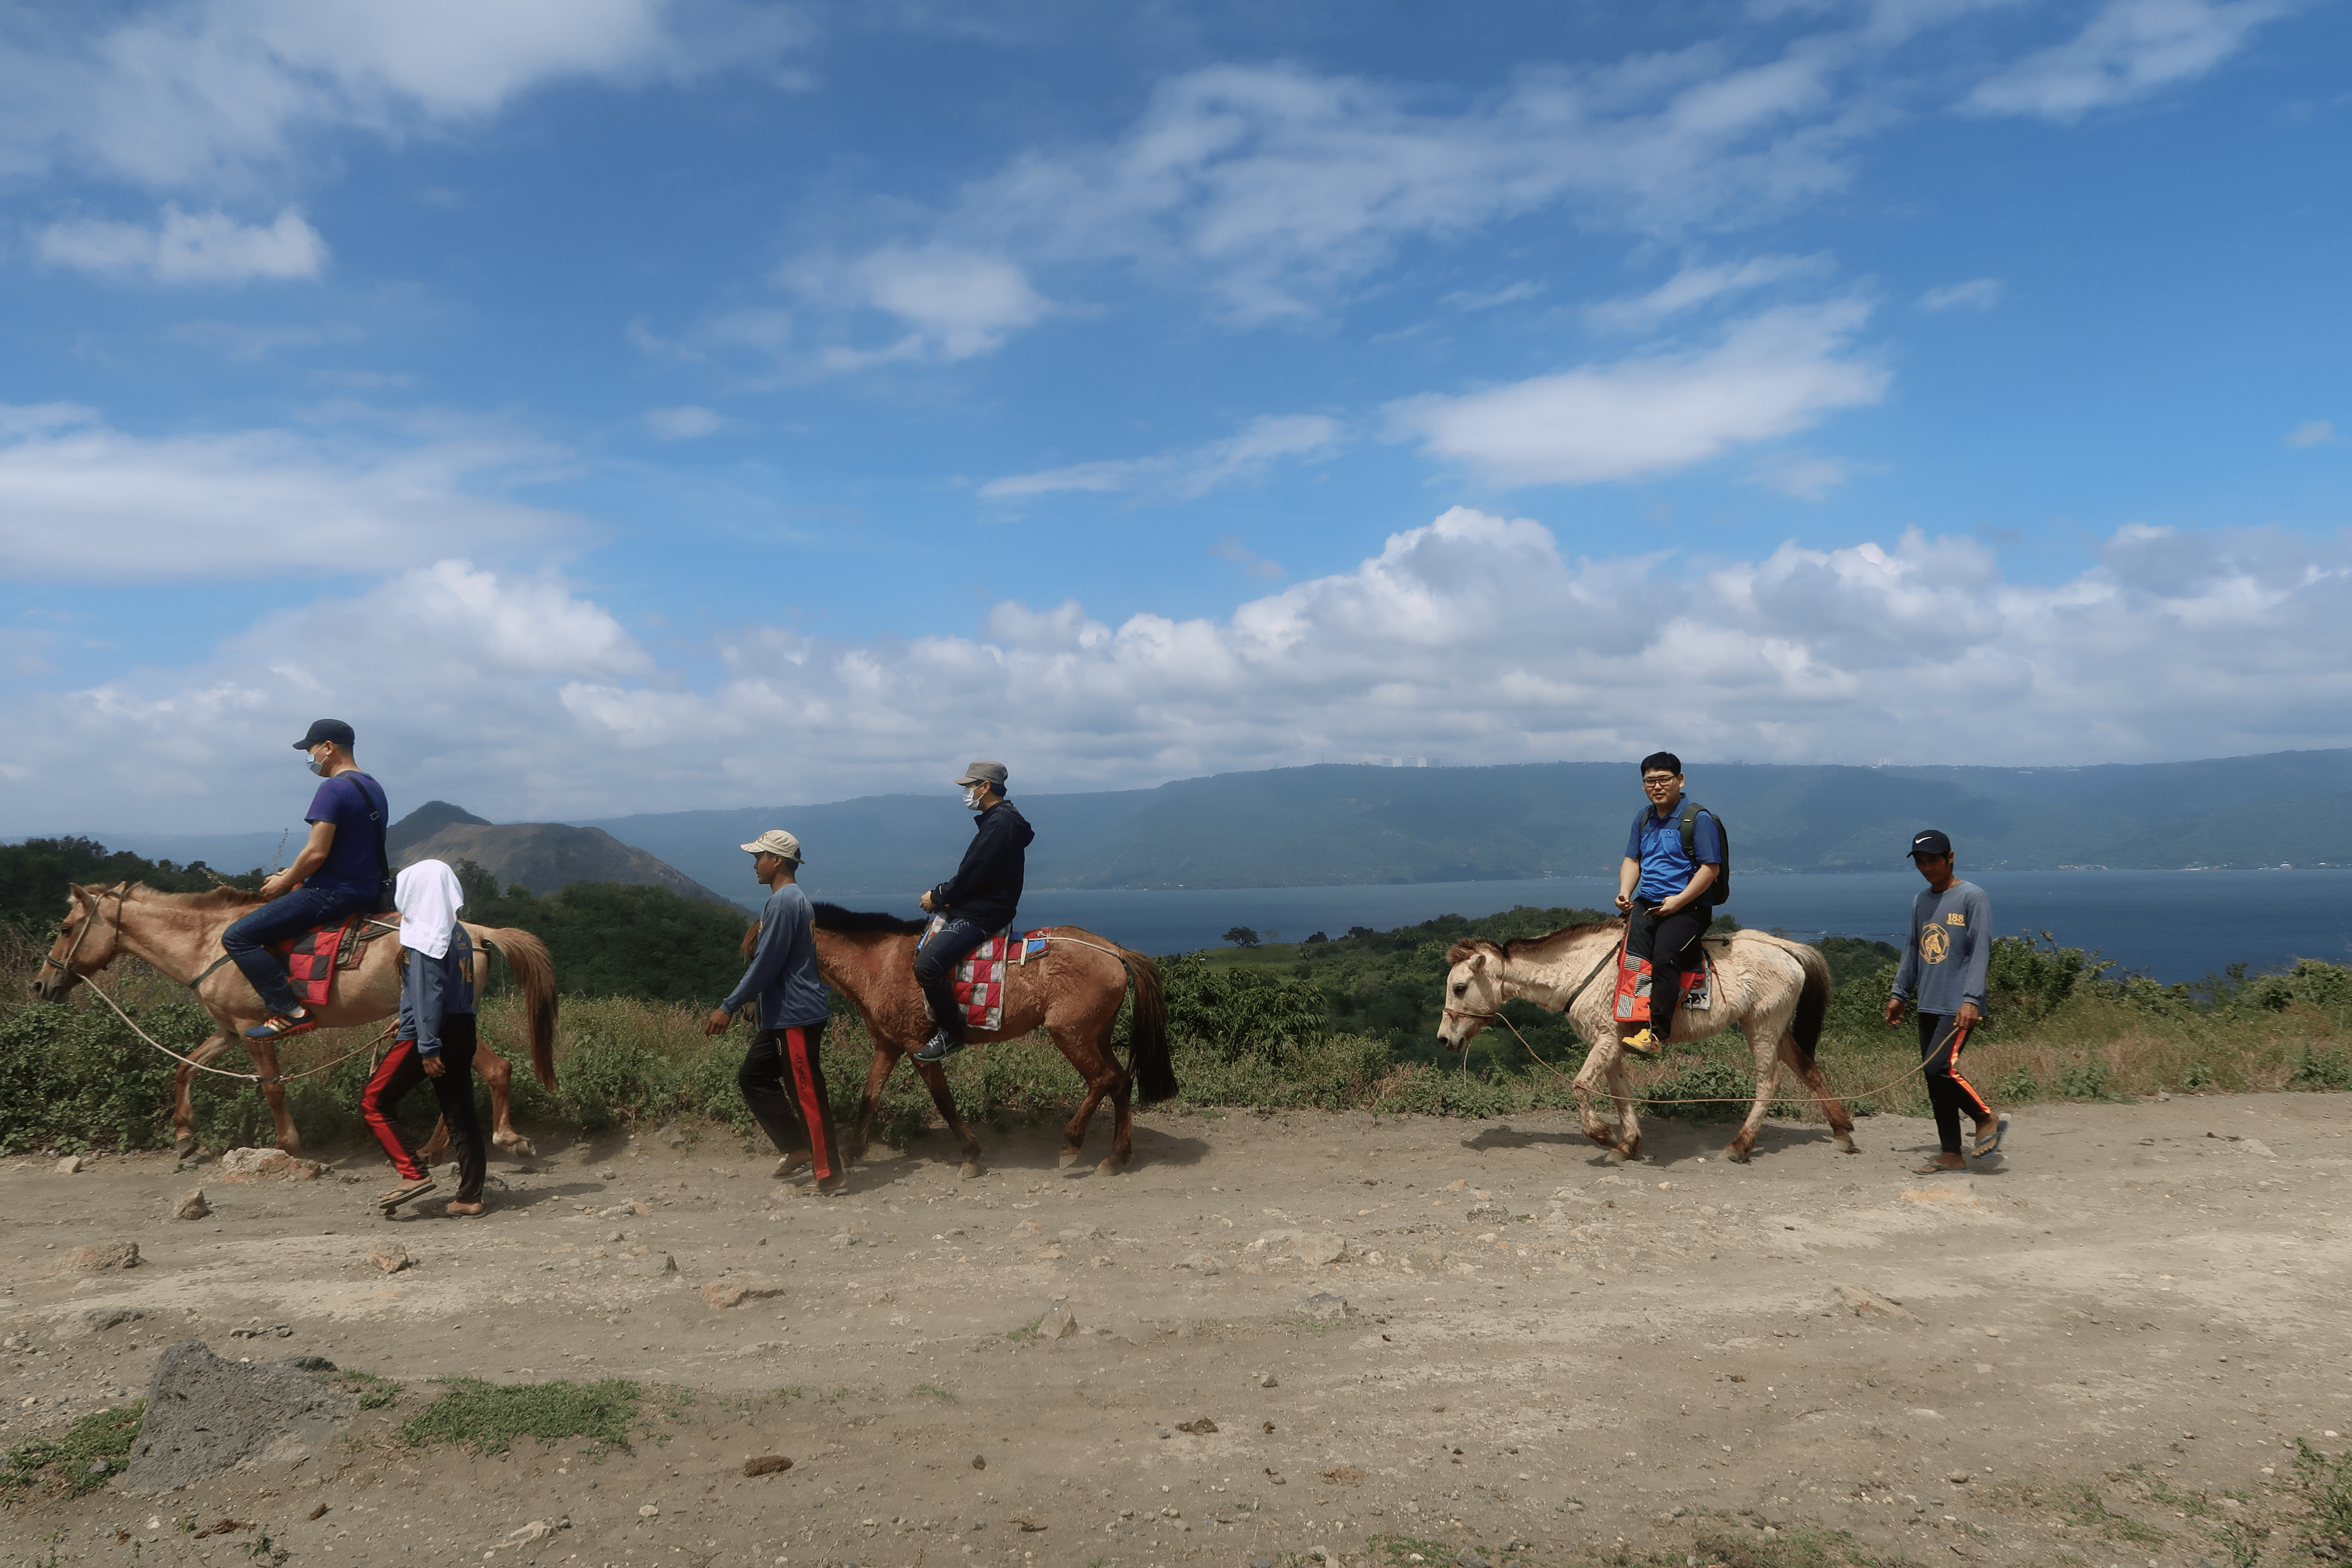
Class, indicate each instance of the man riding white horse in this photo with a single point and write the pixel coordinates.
(1668, 887)
(981, 899)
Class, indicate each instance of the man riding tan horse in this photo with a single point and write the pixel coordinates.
(177, 935)
(341, 872)
(982, 899)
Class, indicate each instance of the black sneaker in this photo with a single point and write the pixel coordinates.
(938, 1048)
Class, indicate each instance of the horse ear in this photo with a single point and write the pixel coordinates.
(1477, 961)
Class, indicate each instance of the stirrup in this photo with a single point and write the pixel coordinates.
(279, 1026)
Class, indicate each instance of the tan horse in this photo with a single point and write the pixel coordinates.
(1776, 990)
(178, 934)
(1074, 990)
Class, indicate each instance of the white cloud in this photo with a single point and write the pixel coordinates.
(80, 500)
(1188, 474)
(1231, 548)
(1770, 376)
(1977, 294)
(945, 303)
(206, 93)
(1487, 299)
(1469, 637)
(688, 422)
(2313, 433)
(189, 248)
(1803, 476)
(2129, 49)
(1694, 286)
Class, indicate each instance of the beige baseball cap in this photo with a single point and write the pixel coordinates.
(983, 772)
(775, 841)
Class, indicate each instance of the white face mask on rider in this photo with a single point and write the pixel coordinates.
(319, 766)
(973, 795)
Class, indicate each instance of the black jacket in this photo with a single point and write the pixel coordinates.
(986, 889)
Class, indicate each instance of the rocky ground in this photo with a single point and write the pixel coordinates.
(2099, 1350)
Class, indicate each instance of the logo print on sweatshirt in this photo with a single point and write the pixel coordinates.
(1934, 944)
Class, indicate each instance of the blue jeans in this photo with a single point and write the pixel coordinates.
(935, 971)
(287, 915)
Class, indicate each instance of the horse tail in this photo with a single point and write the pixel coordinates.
(1812, 1004)
(528, 959)
(1147, 1032)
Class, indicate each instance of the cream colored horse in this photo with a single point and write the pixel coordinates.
(178, 934)
(1774, 989)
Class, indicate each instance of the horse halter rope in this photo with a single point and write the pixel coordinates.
(1590, 976)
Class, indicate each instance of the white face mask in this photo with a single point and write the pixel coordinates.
(973, 795)
(317, 767)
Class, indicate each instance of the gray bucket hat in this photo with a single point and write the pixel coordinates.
(983, 772)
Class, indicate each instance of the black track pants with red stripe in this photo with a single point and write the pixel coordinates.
(783, 1080)
(1941, 1039)
(403, 1070)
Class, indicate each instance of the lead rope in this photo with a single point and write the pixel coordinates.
(249, 1077)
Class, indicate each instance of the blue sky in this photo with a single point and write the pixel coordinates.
(612, 406)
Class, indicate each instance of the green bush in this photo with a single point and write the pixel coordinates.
(1240, 1012)
(2088, 1077)
(74, 1078)
(2322, 1069)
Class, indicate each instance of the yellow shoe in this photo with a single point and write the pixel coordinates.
(1644, 1045)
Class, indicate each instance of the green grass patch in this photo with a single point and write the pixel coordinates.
(488, 1417)
(2326, 1487)
(374, 1393)
(2090, 1511)
(64, 1465)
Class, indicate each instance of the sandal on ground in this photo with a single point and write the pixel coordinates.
(401, 1195)
(793, 1163)
(1932, 1169)
(277, 1027)
(833, 1186)
(1989, 1143)
(454, 1209)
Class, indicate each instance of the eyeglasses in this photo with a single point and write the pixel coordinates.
(1660, 780)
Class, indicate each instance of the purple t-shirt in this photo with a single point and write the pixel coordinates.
(355, 803)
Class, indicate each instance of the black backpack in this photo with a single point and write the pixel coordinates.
(387, 879)
(1719, 891)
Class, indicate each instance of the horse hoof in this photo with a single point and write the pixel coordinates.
(183, 1147)
(969, 1169)
(1736, 1156)
(516, 1144)
(1069, 1157)
(1847, 1145)
(1109, 1167)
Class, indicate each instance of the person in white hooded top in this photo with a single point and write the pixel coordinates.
(436, 1037)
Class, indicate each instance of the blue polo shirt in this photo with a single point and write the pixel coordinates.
(1657, 844)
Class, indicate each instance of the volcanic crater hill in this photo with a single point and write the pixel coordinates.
(544, 857)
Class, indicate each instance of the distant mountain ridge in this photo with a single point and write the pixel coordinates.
(1340, 825)
(544, 857)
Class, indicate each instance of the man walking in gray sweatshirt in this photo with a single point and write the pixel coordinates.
(1944, 960)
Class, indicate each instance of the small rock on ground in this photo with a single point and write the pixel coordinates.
(767, 1464)
(654, 1263)
(191, 1204)
(104, 1255)
(1863, 1303)
(1323, 1304)
(392, 1259)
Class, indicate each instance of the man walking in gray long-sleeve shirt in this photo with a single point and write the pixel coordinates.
(782, 1075)
(1944, 960)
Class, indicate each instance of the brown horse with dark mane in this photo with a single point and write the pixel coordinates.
(1073, 990)
(178, 935)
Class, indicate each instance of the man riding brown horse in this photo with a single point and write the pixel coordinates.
(981, 899)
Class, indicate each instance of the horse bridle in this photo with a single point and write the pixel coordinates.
(117, 893)
(1590, 975)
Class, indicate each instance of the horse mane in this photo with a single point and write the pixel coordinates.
(210, 899)
(1469, 946)
(833, 917)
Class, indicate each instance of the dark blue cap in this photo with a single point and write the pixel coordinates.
(1930, 842)
(323, 729)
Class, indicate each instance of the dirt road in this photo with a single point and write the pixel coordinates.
(1543, 1356)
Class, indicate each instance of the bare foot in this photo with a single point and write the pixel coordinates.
(833, 1186)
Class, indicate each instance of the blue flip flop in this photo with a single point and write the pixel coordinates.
(1985, 1146)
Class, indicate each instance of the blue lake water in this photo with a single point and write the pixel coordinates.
(2175, 925)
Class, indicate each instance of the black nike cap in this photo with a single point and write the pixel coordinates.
(1931, 842)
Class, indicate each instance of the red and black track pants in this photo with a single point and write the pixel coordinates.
(401, 1070)
(783, 1080)
(1941, 1039)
